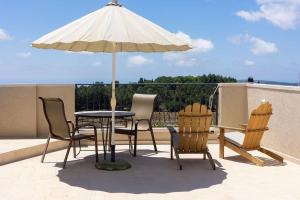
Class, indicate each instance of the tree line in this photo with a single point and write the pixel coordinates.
(173, 93)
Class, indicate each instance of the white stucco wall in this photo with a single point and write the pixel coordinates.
(284, 133)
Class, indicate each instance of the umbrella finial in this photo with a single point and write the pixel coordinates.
(114, 3)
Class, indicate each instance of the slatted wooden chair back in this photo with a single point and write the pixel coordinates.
(257, 125)
(194, 122)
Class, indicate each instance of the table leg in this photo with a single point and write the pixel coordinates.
(96, 145)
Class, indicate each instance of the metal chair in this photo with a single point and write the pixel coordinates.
(142, 106)
(61, 129)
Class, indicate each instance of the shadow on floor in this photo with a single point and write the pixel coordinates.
(147, 175)
(268, 162)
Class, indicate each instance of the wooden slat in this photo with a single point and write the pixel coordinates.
(207, 126)
(181, 129)
(195, 127)
(264, 123)
(194, 123)
(202, 124)
(251, 125)
(187, 128)
(260, 125)
(257, 125)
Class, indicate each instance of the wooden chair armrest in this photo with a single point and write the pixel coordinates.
(244, 125)
(232, 128)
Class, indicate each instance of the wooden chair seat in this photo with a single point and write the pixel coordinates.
(235, 138)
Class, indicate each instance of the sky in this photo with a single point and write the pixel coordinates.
(237, 38)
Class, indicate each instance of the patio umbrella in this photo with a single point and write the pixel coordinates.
(112, 29)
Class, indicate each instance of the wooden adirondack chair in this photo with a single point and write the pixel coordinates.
(191, 138)
(251, 135)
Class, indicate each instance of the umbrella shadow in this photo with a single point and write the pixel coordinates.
(147, 175)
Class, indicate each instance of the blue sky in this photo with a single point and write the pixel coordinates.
(258, 38)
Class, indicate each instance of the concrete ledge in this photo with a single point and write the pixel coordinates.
(13, 150)
(20, 149)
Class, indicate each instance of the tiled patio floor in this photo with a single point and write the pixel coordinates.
(152, 176)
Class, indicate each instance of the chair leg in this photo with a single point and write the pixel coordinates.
(153, 138)
(105, 131)
(130, 144)
(271, 154)
(204, 156)
(45, 151)
(79, 144)
(74, 149)
(178, 159)
(222, 141)
(212, 163)
(135, 144)
(96, 144)
(171, 148)
(103, 143)
(67, 154)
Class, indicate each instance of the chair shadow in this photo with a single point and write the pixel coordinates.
(147, 175)
(268, 162)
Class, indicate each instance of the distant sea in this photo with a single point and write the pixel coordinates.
(272, 82)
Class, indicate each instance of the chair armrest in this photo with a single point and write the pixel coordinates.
(72, 127)
(86, 126)
(231, 128)
(244, 125)
(141, 120)
(172, 130)
(174, 136)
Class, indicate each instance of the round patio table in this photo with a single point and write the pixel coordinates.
(104, 115)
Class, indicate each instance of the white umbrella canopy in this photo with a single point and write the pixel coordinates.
(97, 31)
(112, 29)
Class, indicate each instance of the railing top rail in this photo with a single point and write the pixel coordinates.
(91, 84)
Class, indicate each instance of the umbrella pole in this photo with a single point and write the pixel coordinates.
(113, 105)
(113, 164)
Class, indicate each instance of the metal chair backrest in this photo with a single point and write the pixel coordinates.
(55, 115)
(142, 106)
(257, 125)
(194, 123)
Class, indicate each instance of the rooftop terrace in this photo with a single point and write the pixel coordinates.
(152, 176)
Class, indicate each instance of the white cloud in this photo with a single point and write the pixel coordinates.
(199, 45)
(189, 58)
(281, 13)
(24, 54)
(138, 60)
(261, 47)
(180, 59)
(249, 62)
(97, 64)
(4, 35)
(258, 46)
